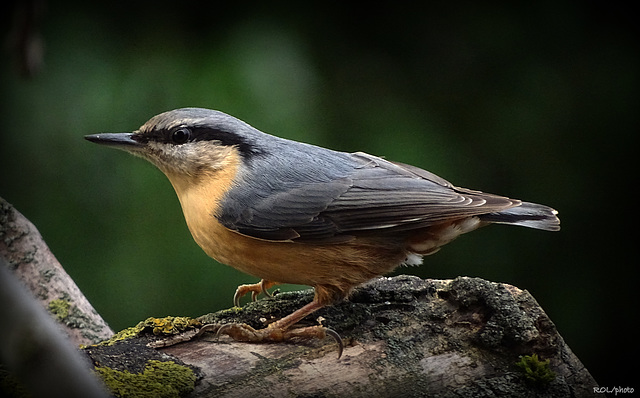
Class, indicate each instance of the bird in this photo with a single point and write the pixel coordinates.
(290, 212)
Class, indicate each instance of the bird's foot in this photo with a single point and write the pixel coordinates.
(255, 289)
(275, 333)
(280, 330)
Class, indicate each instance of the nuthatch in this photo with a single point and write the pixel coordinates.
(289, 212)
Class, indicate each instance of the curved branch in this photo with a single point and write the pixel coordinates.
(28, 257)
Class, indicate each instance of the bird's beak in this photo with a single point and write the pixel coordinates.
(123, 141)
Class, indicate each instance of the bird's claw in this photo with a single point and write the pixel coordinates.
(337, 338)
(255, 289)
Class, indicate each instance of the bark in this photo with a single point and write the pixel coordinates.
(403, 336)
(43, 319)
(29, 258)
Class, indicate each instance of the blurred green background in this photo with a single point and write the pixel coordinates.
(536, 101)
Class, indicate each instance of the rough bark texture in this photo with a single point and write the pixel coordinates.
(404, 336)
(30, 259)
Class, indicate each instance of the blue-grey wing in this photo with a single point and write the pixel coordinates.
(325, 196)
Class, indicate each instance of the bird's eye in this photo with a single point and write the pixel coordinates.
(181, 135)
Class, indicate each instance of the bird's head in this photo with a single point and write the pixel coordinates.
(187, 142)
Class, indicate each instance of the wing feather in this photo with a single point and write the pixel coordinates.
(330, 196)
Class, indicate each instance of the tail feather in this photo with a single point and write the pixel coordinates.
(529, 215)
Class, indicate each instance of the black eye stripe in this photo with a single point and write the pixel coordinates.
(228, 138)
(224, 137)
(182, 134)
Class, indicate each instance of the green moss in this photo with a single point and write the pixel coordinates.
(121, 335)
(159, 379)
(535, 370)
(59, 308)
(158, 326)
(230, 311)
(170, 325)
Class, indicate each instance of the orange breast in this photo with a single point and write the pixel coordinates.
(334, 269)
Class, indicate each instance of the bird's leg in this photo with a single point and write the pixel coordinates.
(255, 289)
(281, 329)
